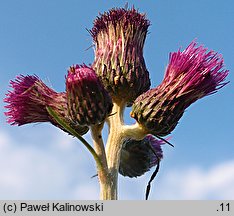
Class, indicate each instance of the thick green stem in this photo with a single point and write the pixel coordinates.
(136, 131)
(117, 133)
(96, 132)
(113, 149)
(108, 159)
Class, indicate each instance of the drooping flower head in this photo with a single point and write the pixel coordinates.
(119, 37)
(190, 75)
(28, 100)
(137, 157)
(88, 101)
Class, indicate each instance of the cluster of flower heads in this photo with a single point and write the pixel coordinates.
(28, 102)
(119, 75)
(85, 102)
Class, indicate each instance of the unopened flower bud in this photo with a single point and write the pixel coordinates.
(119, 37)
(137, 157)
(190, 75)
(28, 100)
(88, 101)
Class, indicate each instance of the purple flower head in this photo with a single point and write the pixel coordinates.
(119, 18)
(190, 75)
(88, 102)
(119, 36)
(195, 72)
(137, 157)
(28, 100)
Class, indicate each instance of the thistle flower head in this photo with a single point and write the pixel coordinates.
(137, 157)
(88, 101)
(196, 72)
(190, 75)
(119, 18)
(28, 100)
(119, 36)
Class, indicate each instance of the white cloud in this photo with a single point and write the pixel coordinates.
(58, 167)
(61, 169)
(197, 183)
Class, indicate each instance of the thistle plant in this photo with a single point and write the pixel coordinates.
(118, 77)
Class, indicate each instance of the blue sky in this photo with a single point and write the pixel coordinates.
(46, 37)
